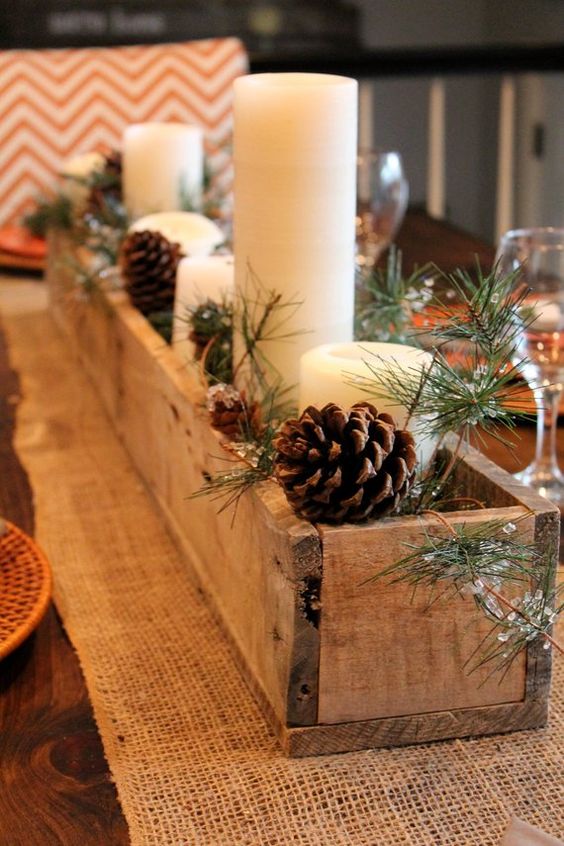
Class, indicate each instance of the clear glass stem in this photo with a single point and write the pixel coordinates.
(544, 475)
(547, 400)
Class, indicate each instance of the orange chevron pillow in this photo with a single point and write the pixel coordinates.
(58, 103)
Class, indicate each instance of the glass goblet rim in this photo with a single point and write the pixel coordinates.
(536, 234)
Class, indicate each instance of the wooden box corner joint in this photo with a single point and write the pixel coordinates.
(336, 664)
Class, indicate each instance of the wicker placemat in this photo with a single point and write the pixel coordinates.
(25, 586)
(193, 760)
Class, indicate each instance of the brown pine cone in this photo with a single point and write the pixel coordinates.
(113, 164)
(230, 413)
(107, 184)
(339, 466)
(148, 263)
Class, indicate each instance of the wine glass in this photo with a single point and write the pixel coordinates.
(383, 193)
(537, 255)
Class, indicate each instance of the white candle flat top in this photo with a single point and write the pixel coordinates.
(293, 80)
(82, 165)
(351, 355)
(162, 128)
(196, 234)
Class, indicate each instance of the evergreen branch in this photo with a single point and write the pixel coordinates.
(447, 396)
(489, 312)
(261, 317)
(468, 554)
(101, 231)
(518, 621)
(161, 321)
(253, 460)
(86, 276)
(386, 301)
(55, 213)
(210, 327)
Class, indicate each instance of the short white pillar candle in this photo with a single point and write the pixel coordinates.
(328, 374)
(163, 164)
(196, 234)
(294, 150)
(197, 280)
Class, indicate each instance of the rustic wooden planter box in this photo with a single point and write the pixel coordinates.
(336, 664)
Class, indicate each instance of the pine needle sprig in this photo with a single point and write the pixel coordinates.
(161, 321)
(55, 213)
(488, 312)
(86, 276)
(103, 180)
(386, 300)
(448, 397)
(468, 554)
(252, 463)
(518, 621)
(485, 563)
(210, 328)
(262, 316)
(434, 489)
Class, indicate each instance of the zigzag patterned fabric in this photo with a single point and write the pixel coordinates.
(58, 103)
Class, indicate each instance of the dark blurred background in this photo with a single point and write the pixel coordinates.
(398, 47)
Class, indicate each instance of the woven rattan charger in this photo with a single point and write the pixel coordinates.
(25, 586)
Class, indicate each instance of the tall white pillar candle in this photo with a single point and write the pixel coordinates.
(163, 164)
(197, 280)
(328, 373)
(295, 144)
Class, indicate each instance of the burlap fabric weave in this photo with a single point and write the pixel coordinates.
(193, 760)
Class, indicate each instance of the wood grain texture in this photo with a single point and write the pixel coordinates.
(423, 239)
(257, 569)
(16, 500)
(403, 731)
(384, 651)
(55, 786)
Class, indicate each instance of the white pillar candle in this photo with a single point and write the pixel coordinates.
(196, 234)
(328, 373)
(295, 144)
(198, 280)
(163, 164)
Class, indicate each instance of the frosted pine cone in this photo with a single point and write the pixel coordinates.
(230, 413)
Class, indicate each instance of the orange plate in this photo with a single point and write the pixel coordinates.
(18, 241)
(25, 587)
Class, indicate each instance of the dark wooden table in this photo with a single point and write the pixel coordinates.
(55, 787)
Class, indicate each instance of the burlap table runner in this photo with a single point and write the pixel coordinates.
(192, 757)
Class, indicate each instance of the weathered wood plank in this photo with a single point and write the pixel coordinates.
(384, 650)
(257, 569)
(403, 731)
